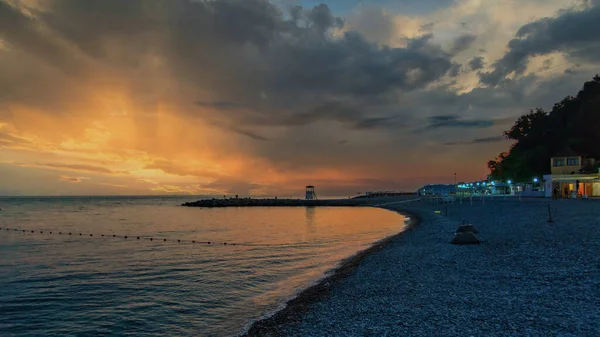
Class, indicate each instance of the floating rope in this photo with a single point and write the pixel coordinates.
(150, 238)
(127, 236)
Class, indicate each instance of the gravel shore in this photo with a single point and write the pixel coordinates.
(528, 277)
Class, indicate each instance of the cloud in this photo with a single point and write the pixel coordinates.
(72, 179)
(486, 140)
(113, 185)
(455, 70)
(180, 168)
(463, 43)
(248, 134)
(295, 62)
(572, 32)
(444, 121)
(185, 93)
(71, 167)
(476, 63)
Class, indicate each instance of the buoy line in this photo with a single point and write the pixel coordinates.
(152, 238)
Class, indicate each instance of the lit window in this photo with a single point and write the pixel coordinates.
(558, 162)
(574, 161)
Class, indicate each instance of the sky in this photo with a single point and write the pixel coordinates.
(256, 97)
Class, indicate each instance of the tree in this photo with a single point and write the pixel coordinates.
(574, 122)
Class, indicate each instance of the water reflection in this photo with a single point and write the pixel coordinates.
(311, 229)
(108, 285)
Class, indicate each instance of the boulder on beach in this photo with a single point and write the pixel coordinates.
(465, 238)
(467, 228)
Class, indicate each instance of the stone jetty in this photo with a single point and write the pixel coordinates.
(248, 202)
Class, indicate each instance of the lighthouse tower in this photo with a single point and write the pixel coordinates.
(310, 193)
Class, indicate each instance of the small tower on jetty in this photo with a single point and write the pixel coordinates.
(310, 193)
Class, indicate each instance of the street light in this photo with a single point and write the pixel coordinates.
(510, 182)
(535, 180)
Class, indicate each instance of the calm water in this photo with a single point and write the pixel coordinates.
(60, 285)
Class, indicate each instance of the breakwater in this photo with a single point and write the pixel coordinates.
(249, 202)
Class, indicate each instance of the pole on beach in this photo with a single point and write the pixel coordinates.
(550, 214)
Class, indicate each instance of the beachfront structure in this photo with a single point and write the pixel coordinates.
(437, 189)
(310, 193)
(573, 175)
(568, 161)
(379, 194)
(572, 185)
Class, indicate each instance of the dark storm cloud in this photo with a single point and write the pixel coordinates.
(233, 51)
(249, 66)
(479, 141)
(455, 70)
(476, 63)
(572, 32)
(24, 33)
(436, 122)
(463, 43)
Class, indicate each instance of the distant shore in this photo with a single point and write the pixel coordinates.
(527, 277)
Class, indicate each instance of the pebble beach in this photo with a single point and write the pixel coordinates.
(527, 277)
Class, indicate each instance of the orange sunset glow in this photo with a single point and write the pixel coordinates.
(179, 97)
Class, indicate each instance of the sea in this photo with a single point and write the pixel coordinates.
(115, 266)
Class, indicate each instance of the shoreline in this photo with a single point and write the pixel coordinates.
(529, 276)
(301, 302)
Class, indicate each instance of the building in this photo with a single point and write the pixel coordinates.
(573, 175)
(437, 189)
(568, 161)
